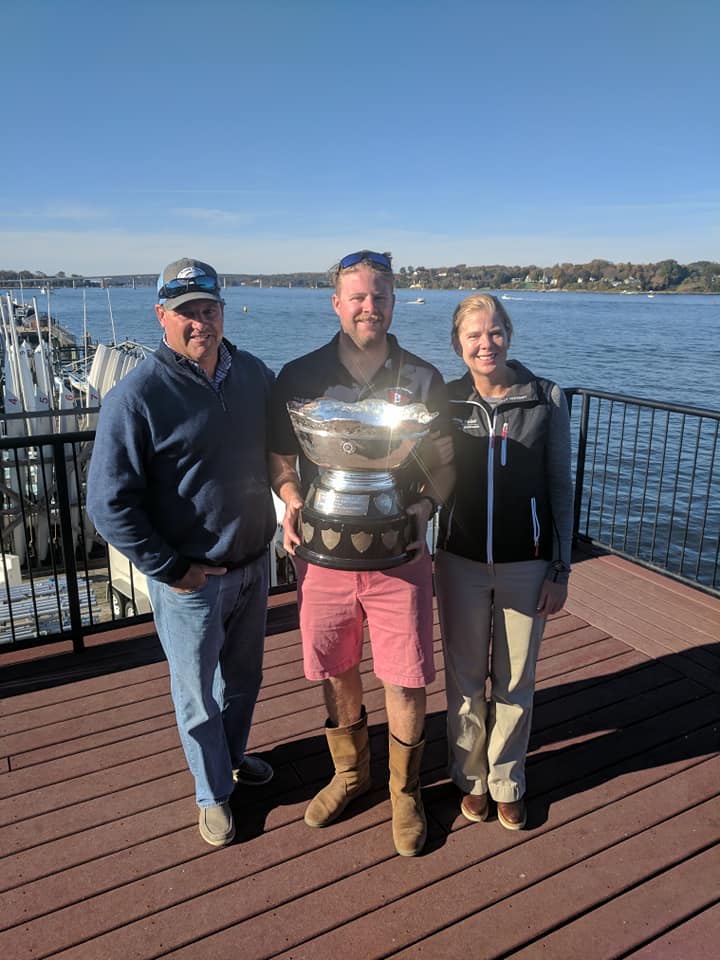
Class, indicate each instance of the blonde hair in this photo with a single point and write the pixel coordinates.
(485, 302)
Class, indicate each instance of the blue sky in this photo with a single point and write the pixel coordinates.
(278, 135)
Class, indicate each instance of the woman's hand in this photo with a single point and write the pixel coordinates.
(552, 597)
(444, 450)
(437, 451)
(420, 513)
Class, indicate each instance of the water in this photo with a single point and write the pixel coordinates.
(666, 348)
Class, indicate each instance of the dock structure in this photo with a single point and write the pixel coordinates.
(43, 603)
(101, 858)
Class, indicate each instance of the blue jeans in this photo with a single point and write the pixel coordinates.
(213, 639)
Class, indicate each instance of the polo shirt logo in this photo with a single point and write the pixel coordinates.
(398, 396)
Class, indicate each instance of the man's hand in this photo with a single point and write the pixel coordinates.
(552, 597)
(420, 513)
(196, 576)
(291, 523)
(286, 484)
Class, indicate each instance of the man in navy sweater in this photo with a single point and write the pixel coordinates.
(178, 483)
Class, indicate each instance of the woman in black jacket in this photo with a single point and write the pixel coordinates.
(503, 556)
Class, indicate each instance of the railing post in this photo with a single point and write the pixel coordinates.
(73, 594)
(580, 465)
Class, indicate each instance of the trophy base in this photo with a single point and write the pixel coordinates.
(354, 543)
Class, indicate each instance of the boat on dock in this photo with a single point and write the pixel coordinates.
(34, 326)
(109, 364)
(48, 391)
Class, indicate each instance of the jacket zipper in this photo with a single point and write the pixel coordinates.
(491, 421)
(491, 487)
(536, 525)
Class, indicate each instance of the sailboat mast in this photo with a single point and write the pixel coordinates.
(44, 359)
(85, 331)
(112, 321)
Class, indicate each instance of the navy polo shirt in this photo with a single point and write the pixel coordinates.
(403, 378)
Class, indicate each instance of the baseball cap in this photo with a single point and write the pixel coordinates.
(187, 279)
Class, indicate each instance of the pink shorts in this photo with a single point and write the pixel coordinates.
(398, 606)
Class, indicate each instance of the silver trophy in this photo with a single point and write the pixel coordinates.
(354, 517)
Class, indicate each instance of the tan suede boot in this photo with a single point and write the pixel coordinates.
(408, 817)
(350, 752)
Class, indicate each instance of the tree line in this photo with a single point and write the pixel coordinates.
(702, 276)
(666, 276)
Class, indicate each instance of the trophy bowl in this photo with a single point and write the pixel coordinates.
(354, 517)
(367, 435)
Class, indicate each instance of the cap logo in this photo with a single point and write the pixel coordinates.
(187, 273)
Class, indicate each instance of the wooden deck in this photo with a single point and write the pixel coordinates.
(100, 857)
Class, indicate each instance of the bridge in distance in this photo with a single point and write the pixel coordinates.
(149, 280)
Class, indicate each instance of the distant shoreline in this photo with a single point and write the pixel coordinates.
(110, 282)
(595, 276)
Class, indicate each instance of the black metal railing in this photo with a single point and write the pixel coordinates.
(647, 483)
(47, 574)
(646, 488)
(58, 579)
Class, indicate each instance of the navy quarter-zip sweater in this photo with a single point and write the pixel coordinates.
(179, 469)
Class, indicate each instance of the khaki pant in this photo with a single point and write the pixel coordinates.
(490, 630)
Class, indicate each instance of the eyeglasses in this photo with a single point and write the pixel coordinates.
(202, 284)
(381, 260)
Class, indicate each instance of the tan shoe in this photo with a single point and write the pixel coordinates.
(217, 826)
(475, 807)
(409, 825)
(513, 815)
(350, 751)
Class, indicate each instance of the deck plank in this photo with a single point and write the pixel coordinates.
(697, 937)
(483, 901)
(679, 626)
(624, 615)
(100, 855)
(650, 909)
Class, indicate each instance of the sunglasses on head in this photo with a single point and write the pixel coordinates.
(174, 288)
(379, 259)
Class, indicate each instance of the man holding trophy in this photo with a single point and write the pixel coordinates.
(360, 474)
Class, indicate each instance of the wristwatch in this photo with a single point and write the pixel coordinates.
(560, 571)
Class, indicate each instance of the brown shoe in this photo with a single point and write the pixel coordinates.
(475, 807)
(513, 815)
